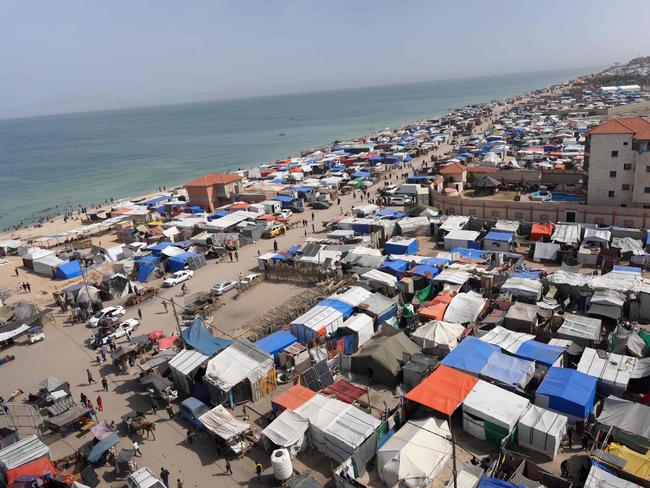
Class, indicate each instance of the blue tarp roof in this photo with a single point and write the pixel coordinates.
(395, 265)
(157, 200)
(69, 270)
(471, 355)
(507, 369)
(177, 263)
(302, 189)
(148, 260)
(647, 237)
(487, 482)
(421, 177)
(199, 337)
(633, 269)
(156, 248)
(539, 352)
(283, 198)
(471, 253)
(569, 391)
(361, 174)
(436, 261)
(144, 271)
(527, 275)
(102, 446)
(499, 236)
(423, 269)
(276, 342)
(345, 308)
(194, 209)
(217, 215)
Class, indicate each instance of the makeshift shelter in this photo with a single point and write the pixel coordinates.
(199, 337)
(438, 337)
(37, 468)
(22, 452)
(183, 366)
(345, 391)
(360, 329)
(381, 359)
(400, 245)
(541, 232)
(276, 342)
(244, 364)
(416, 454)
(544, 354)
(443, 390)
(68, 270)
(491, 413)
(508, 370)
(546, 251)
(471, 355)
(584, 331)
(599, 478)
(292, 398)
(506, 339)
(47, 265)
(521, 317)
(498, 241)
(338, 429)
(221, 423)
(461, 238)
(568, 392)
(542, 430)
(102, 446)
(436, 308)
(613, 371)
(524, 289)
(288, 431)
(319, 321)
(629, 421)
(567, 234)
(465, 308)
(381, 280)
(607, 303)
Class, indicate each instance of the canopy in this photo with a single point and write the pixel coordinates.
(287, 429)
(183, 364)
(443, 390)
(438, 337)
(631, 417)
(523, 288)
(292, 398)
(199, 337)
(382, 358)
(542, 430)
(33, 469)
(567, 391)
(51, 384)
(239, 361)
(102, 446)
(471, 355)
(506, 339)
(220, 422)
(582, 330)
(613, 371)
(416, 454)
(541, 231)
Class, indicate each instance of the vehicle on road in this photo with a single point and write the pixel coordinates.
(249, 279)
(400, 200)
(178, 277)
(320, 205)
(107, 313)
(223, 287)
(284, 214)
(191, 409)
(274, 230)
(143, 478)
(128, 325)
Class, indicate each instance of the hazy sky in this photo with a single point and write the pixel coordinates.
(68, 55)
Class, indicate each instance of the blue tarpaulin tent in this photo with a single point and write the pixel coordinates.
(69, 270)
(195, 209)
(361, 174)
(199, 337)
(148, 260)
(539, 352)
(394, 266)
(276, 342)
(102, 446)
(302, 189)
(423, 269)
(177, 263)
(436, 261)
(345, 308)
(144, 272)
(629, 269)
(401, 246)
(487, 482)
(499, 236)
(156, 249)
(471, 355)
(567, 391)
(217, 215)
(471, 253)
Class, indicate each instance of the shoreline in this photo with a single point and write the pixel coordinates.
(57, 223)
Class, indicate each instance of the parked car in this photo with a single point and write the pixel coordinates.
(320, 205)
(389, 190)
(106, 313)
(178, 277)
(128, 325)
(250, 278)
(400, 200)
(223, 287)
(297, 208)
(143, 478)
(274, 230)
(191, 409)
(284, 214)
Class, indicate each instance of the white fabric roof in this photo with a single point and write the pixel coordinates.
(612, 370)
(363, 325)
(187, 361)
(287, 429)
(453, 276)
(523, 287)
(240, 360)
(495, 404)
(506, 225)
(599, 478)
(464, 307)
(231, 219)
(581, 327)
(319, 316)
(22, 452)
(596, 235)
(221, 422)
(380, 277)
(438, 332)
(462, 235)
(506, 339)
(415, 454)
(567, 233)
(454, 222)
(354, 296)
(541, 430)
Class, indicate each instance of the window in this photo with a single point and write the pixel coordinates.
(612, 174)
(625, 187)
(627, 166)
(611, 194)
(614, 154)
(625, 143)
(647, 189)
(647, 169)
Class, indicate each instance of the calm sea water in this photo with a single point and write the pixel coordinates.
(48, 163)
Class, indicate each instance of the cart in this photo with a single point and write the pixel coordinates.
(140, 296)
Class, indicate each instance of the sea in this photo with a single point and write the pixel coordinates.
(57, 162)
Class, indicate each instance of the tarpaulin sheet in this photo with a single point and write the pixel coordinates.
(540, 231)
(276, 342)
(68, 270)
(344, 308)
(102, 446)
(487, 482)
(567, 391)
(34, 469)
(471, 355)
(464, 308)
(541, 430)
(167, 342)
(382, 356)
(345, 391)
(539, 352)
(239, 361)
(22, 452)
(628, 416)
(508, 370)
(199, 337)
(599, 478)
(495, 405)
(220, 422)
(287, 429)
(443, 390)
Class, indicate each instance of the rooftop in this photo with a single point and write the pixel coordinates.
(637, 126)
(453, 169)
(214, 179)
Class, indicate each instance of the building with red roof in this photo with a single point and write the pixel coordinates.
(214, 189)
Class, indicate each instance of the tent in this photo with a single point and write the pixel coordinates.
(630, 420)
(400, 245)
(221, 422)
(443, 390)
(380, 279)
(542, 430)
(275, 343)
(68, 270)
(287, 430)
(539, 232)
(613, 371)
(546, 251)
(361, 327)
(584, 331)
(22, 452)
(567, 233)
(600, 478)
(102, 446)
(521, 317)
(416, 454)
(37, 468)
(381, 359)
(544, 354)
(436, 308)
(491, 413)
(506, 339)
(508, 370)
(47, 265)
(319, 321)
(183, 365)
(498, 241)
(471, 355)
(568, 392)
(464, 307)
(523, 288)
(292, 398)
(438, 337)
(461, 238)
(199, 337)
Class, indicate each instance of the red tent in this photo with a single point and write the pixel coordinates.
(435, 309)
(36, 469)
(540, 231)
(443, 390)
(167, 342)
(292, 398)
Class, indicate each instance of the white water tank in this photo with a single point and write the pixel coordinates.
(282, 466)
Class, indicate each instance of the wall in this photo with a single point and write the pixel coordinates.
(199, 195)
(601, 165)
(535, 176)
(540, 212)
(641, 106)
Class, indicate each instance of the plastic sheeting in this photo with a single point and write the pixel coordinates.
(383, 358)
(599, 478)
(318, 321)
(496, 405)
(567, 233)
(362, 326)
(541, 353)
(506, 339)
(287, 430)
(416, 454)
(471, 355)
(241, 360)
(508, 370)
(545, 251)
(567, 391)
(464, 307)
(625, 415)
(582, 330)
(443, 390)
(523, 288)
(438, 337)
(542, 430)
(613, 371)
(199, 337)
(220, 422)
(22, 452)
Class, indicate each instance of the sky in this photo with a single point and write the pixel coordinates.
(78, 55)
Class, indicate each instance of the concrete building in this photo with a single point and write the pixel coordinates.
(455, 175)
(619, 163)
(214, 189)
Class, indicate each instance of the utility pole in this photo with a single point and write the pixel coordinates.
(178, 323)
(453, 457)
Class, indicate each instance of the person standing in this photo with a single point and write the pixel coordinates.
(89, 405)
(16, 271)
(100, 403)
(165, 307)
(179, 484)
(164, 476)
(154, 405)
(136, 448)
(84, 400)
(236, 255)
(105, 383)
(91, 380)
(258, 471)
(275, 245)
(170, 411)
(230, 255)
(228, 467)
(140, 313)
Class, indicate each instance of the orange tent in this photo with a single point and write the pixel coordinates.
(292, 398)
(36, 468)
(540, 231)
(435, 310)
(443, 390)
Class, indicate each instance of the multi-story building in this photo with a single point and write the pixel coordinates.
(618, 163)
(214, 189)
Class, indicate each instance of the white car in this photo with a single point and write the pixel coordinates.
(223, 287)
(178, 277)
(143, 478)
(400, 200)
(128, 325)
(284, 214)
(106, 313)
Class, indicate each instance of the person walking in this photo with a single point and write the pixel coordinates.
(184, 289)
(275, 245)
(258, 471)
(230, 254)
(89, 405)
(100, 403)
(29, 287)
(179, 484)
(154, 405)
(140, 313)
(136, 448)
(91, 380)
(165, 307)
(564, 469)
(190, 437)
(102, 351)
(164, 476)
(228, 467)
(170, 411)
(84, 400)
(105, 383)
(236, 255)
(16, 271)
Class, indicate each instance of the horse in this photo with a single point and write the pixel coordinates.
(149, 428)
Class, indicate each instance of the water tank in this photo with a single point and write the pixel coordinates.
(281, 462)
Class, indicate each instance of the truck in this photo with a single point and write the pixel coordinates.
(271, 207)
(408, 189)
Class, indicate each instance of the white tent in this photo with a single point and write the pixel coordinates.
(612, 370)
(506, 339)
(380, 278)
(220, 422)
(239, 361)
(438, 337)
(362, 326)
(319, 320)
(287, 430)
(183, 364)
(584, 331)
(599, 478)
(523, 288)
(464, 308)
(542, 430)
(416, 454)
(47, 265)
